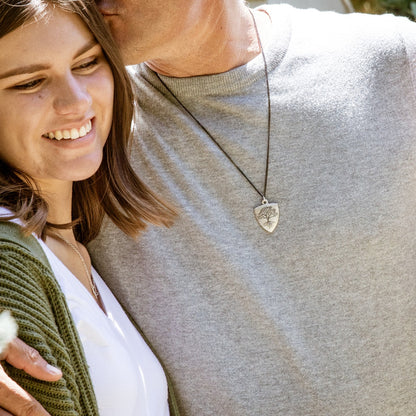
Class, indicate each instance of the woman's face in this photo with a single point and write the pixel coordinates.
(56, 99)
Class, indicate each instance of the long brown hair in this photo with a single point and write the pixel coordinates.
(114, 189)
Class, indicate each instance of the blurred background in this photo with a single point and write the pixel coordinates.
(399, 7)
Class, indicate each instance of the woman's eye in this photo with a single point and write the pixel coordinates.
(87, 65)
(28, 85)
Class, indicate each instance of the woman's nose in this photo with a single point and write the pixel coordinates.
(72, 97)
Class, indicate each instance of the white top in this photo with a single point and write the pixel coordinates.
(127, 377)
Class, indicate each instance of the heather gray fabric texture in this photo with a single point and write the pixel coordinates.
(319, 317)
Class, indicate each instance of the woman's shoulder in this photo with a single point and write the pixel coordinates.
(24, 270)
(12, 239)
(25, 273)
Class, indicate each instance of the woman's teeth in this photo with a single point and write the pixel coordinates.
(70, 134)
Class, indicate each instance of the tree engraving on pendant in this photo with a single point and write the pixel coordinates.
(267, 215)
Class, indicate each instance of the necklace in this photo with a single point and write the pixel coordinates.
(266, 214)
(84, 264)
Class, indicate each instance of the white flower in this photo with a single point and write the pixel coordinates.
(8, 330)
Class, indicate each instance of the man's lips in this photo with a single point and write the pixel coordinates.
(106, 11)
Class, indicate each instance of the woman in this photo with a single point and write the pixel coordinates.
(65, 116)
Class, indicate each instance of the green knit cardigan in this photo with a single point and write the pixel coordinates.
(28, 289)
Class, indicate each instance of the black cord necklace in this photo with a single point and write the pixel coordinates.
(266, 214)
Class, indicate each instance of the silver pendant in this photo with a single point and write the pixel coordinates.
(267, 215)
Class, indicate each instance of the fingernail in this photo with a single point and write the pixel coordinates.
(53, 370)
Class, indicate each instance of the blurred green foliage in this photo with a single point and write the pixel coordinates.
(399, 7)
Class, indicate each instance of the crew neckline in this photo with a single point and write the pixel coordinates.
(243, 76)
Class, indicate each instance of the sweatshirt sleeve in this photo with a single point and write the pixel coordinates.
(32, 295)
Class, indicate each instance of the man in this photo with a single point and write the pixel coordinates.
(312, 314)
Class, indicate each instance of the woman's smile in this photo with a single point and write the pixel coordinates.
(70, 133)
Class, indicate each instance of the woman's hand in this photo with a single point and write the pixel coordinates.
(13, 399)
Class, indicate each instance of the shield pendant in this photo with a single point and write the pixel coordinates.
(267, 215)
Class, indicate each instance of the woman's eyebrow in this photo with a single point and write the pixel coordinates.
(28, 69)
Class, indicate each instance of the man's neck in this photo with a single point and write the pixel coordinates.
(218, 44)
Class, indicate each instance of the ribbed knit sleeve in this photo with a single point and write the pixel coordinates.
(30, 291)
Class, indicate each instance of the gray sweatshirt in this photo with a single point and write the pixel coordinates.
(317, 318)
